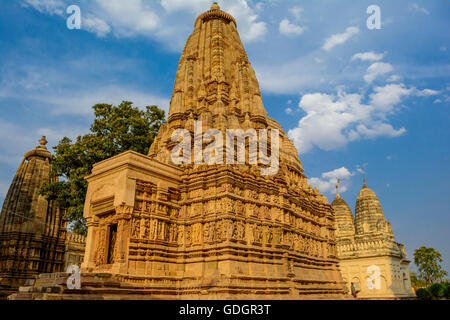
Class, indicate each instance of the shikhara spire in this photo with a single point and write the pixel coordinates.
(214, 74)
(32, 229)
(216, 84)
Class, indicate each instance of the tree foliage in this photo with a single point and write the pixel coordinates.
(115, 129)
(415, 281)
(428, 261)
(436, 291)
(423, 294)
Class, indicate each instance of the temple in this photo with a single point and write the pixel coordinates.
(33, 237)
(157, 229)
(369, 257)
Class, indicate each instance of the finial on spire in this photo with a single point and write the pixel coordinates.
(337, 186)
(215, 6)
(364, 176)
(43, 142)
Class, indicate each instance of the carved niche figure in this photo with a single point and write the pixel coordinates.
(100, 256)
(196, 233)
(135, 228)
(183, 212)
(153, 229)
(174, 212)
(269, 235)
(255, 212)
(160, 229)
(172, 233)
(240, 208)
(259, 234)
(207, 233)
(228, 226)
(188, 235)
(145, 229)
(152, 207)
(240, 230)
(180, 234)
(278, 235)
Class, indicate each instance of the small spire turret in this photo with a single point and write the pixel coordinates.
(215, 6)
(43, 142)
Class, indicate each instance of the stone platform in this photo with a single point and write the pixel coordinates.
(105, 286)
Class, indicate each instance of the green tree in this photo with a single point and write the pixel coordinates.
(447, 290)
(115, 129)
(415, 281)
(423, 294)
(428, 261)
(437, 290)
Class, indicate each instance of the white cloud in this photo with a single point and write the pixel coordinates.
(57, 132)
(52, 7)
(427, 92)
(196, 6)
(289, 111)
(124, 18)
(96, 25)
(339, 38)
(327, 182)
(377, 69)
(296, 12)
(290, 77)
(249, 27)
(368, 56)
(128, 18)
(415, 7)
(48, 87)
(81, 102)
(360, 169)
(155, 19)
(326, 118)
(394, 78)
(332, 121)
(22, 138)
(385, 98)
(389, 158)
(437, 101)
(247, 19)
(289, 29)
(379, 129)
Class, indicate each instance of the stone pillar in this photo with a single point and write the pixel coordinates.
(123, 216)
(89, 255)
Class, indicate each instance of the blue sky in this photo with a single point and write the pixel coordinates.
(346, 95)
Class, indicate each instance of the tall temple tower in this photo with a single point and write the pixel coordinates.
(32, 231)
(368, 255)
(217, 230)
